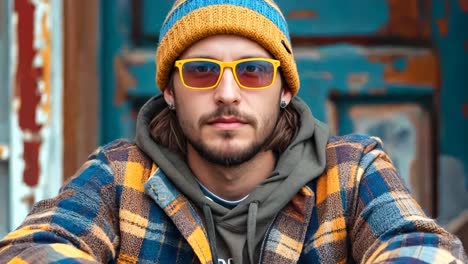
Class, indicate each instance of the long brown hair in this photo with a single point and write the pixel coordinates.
(166, 131)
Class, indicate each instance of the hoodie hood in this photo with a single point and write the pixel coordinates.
(302, 161)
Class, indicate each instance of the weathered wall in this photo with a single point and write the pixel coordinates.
(36, 104)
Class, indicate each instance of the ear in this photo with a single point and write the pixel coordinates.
(168, 95)
(286, 95)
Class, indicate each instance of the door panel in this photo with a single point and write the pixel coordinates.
(386, 83)
(406, 130)
(371, 18)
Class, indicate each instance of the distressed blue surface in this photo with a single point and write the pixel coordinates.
(5, 104)
(328, 68)
(397, 129)
(336, 17)
(324, 70)
(115, 35)
(146, 86)
(454, 84)
(153, 15)
(453, 128)
(333, 17)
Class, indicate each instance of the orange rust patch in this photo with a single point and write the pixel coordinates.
(464, 5)
(29, 200)
(408, 19)
(302, 14)
(465, 110)
(420, 70)
(442, 24)
(47, 67)
(358, 79)
(377, 91)
(3, 152)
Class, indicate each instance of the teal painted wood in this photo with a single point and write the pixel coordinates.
(450, 36)
(153, 15)
(5, 103)
(335, 17)
(332, 18)
(115, 37)
(349, 70)
(118, 40)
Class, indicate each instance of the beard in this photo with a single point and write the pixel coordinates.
(225, 158)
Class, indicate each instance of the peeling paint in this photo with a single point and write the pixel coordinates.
(413, 67)
(4, 152)
(413, 70)
(408, 19)
(464, 109)
(302, 14)
(356, 80)
(36, 140)
(32, 80)
(124, 80)
(463, 5)
(442, 24)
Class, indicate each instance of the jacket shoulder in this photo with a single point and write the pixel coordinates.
(358, 141)
(350, 147)
(124, 158)
(120, 150)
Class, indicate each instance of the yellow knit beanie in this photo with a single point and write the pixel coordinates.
(192, 20)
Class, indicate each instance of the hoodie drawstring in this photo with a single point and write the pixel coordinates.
(211, 231)
(251, 229)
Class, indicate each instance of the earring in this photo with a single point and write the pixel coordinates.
(171, 106)
(283, 104)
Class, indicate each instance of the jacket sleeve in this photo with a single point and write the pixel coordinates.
(79, 224)
(388, 225)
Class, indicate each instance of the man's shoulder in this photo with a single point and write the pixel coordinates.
(121, 150)
(353, 142)
(354, 139)
(350, 148)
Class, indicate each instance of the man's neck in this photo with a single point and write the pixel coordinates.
(234, 182)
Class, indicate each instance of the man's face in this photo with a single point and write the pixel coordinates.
(226, 125)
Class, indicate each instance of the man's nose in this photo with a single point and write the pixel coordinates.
(227, 91)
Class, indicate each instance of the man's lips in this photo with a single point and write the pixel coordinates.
(227, 122)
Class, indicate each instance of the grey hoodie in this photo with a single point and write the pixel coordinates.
(239, 232)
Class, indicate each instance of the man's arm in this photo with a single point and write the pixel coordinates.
(389, 226)
(79, 224)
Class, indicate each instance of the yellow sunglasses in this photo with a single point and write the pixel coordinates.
(204, 74)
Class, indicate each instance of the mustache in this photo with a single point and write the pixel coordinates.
(227, 111)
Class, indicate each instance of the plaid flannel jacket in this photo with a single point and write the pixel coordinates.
(120, 207)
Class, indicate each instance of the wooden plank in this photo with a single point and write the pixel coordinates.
(367, 18)
(80, 82)
(450, 38)
(35, 132)
(356, 70)
(5, 102)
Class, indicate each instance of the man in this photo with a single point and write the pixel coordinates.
(229, 166)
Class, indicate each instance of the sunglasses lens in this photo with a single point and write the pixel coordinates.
(255, 74)
(200, 74)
